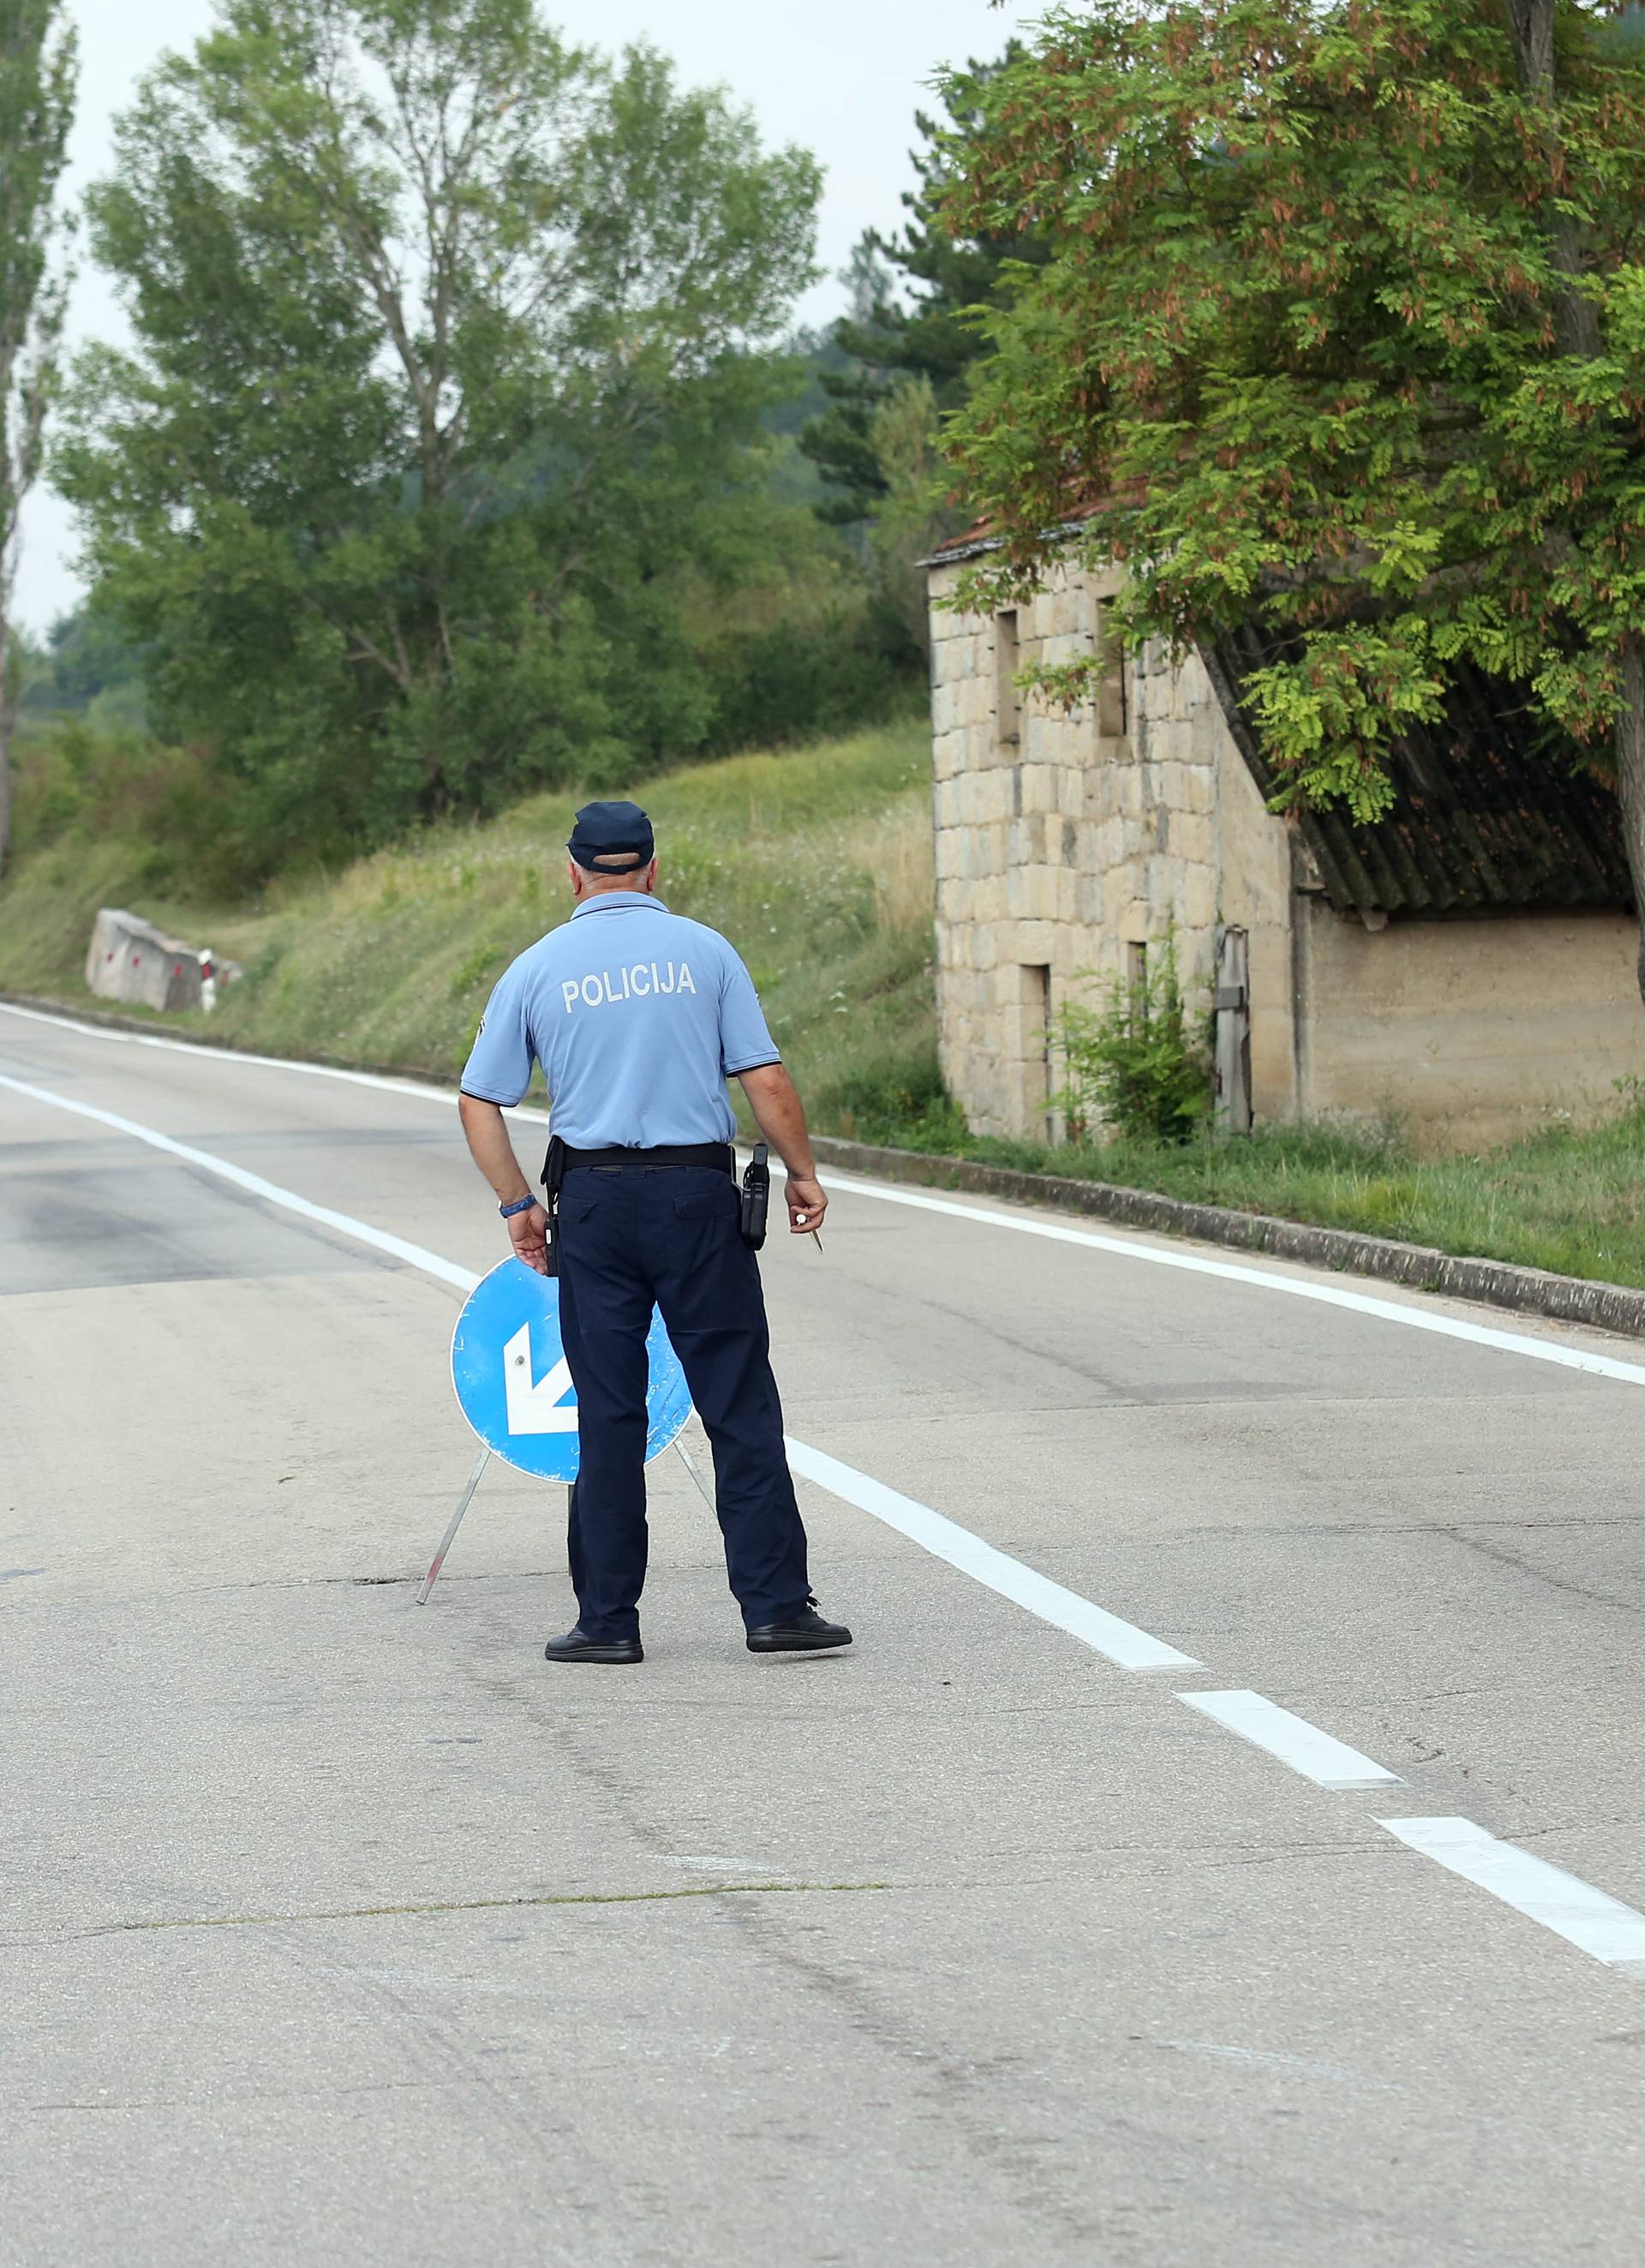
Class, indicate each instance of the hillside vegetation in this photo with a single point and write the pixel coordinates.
(816, 861)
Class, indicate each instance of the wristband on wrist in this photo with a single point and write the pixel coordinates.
(520, 1204)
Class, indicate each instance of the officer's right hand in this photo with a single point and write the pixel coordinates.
(808, 1202)
(528, 1232)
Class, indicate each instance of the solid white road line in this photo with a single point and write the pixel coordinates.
(1331, 1295)
(420, 1090)
(1120, 1641)
(1328, 1763)
(415, 1255)
(1359, 1303)
(944, 1539)
(1573, 1909)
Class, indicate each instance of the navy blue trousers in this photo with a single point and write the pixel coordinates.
(629, 1236)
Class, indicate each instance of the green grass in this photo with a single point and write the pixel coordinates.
(1568, 1199)
(816, 862)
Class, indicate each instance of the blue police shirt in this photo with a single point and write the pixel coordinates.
(638, 1018)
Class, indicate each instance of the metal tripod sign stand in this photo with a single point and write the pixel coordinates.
(513, 1386)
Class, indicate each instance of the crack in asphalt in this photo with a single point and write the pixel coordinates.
(1113, 1862)
(1504, 1557)
(472, 1905)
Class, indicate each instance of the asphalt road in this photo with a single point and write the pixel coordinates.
(340, 1931)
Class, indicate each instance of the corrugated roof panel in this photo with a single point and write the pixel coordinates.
(1491, 808)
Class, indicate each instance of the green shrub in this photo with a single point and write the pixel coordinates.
(799, 679)
(1133, 1066)
(897, 1097)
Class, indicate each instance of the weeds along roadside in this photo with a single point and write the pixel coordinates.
(817, 861)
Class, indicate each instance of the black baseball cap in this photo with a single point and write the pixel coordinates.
(606, 832)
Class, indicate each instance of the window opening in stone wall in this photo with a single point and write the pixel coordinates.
(1136, 963)
(1112, 721)
(1006, 665)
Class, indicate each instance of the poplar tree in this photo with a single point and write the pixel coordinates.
(1343, 331)
(443, 408)
(37, 80)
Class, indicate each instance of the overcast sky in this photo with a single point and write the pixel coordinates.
(843, 77)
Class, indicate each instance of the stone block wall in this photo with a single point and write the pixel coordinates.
(1066, 844)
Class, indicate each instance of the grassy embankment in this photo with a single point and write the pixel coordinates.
(816, 861)
(1569, 1199)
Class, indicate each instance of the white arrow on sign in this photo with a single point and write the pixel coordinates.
(541, 1408)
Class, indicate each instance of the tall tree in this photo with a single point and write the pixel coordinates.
(1533, 26)
(37, 81)
(911, 295)
(1344, 325)
(451, 358)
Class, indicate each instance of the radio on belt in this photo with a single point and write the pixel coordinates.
(756, 1199)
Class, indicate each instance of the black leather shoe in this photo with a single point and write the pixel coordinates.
(806, 1633)
(577, 1645)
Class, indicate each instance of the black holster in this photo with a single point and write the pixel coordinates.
(756, 1199)
(553, 1176)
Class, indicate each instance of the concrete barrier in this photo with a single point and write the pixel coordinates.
(129, 959)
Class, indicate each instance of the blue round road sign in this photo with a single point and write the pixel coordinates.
(514, 1384)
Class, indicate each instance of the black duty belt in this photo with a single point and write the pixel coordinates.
(716, 1154)
(562, 1159)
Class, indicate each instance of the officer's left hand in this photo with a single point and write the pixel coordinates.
(808, 1202)
(528, 1232)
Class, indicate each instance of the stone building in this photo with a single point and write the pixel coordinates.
(1467, 963)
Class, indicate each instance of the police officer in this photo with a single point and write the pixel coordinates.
(638, 1018)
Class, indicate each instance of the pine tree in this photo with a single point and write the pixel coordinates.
(929, 336)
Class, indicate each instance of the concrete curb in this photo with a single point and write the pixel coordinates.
(1530, 1291)
(1496, 1283)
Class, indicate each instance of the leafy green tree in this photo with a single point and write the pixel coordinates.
(1343, 329)
(85, 659)
(454, 345)
(37, 81)
(945, 271)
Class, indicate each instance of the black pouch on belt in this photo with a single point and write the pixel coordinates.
(756, 1199)
(554, 1174)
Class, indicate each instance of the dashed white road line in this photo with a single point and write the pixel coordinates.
(1120, 1641)
(1327, 1761)
(1601, 1926)
(1125, 1248)
(1107, 1634)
